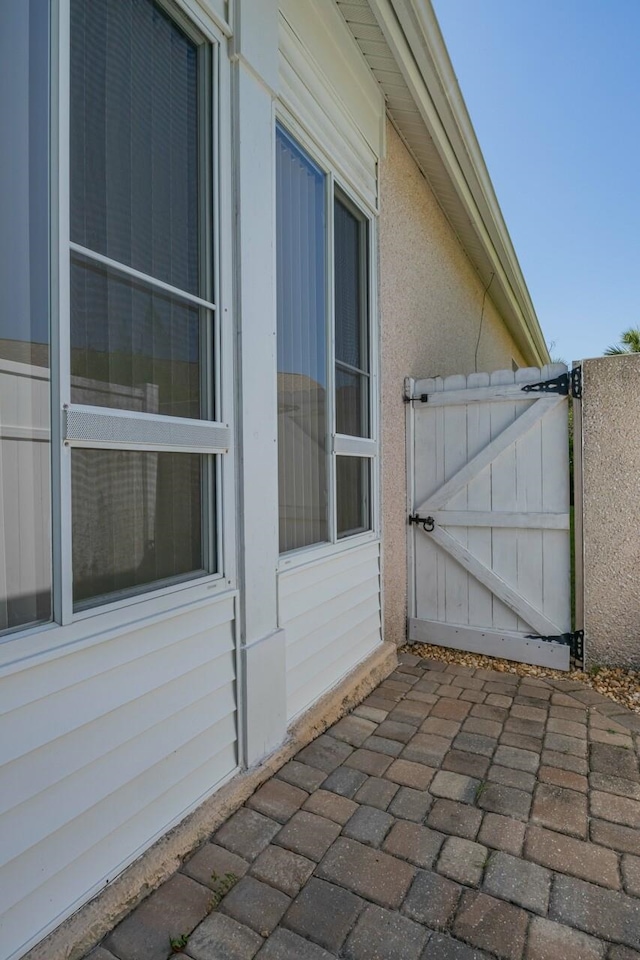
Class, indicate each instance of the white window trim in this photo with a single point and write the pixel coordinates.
(69, 627)
(339, 444)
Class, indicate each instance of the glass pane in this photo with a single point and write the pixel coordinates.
(134, 138)
(133, 347)
(25, 501)
(353, 495)
(302, 358)
(352, 403)
(350, 295)
(137, 520)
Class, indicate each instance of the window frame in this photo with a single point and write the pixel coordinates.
(339, 186)
(67, 625)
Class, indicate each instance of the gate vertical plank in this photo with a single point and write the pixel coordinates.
(529, 498)
(555, 497)
(479, 498)
(440, 474)
(455, 457)
(503, 497)
(427, 479)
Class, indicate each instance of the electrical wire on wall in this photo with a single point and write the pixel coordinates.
(484, 297)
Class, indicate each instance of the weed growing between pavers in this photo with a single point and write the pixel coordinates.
(222, 886)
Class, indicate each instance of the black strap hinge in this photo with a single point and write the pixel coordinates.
(575, 641)
(565, 384)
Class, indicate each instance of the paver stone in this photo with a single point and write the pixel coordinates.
(366, 872)
(410, 804)
(603, 913)
(491, 925)
(382, 935)
(553, 941)
(323, 913)
(283, 869)
(377, 792)
(462, 861)
(247, 833)
(413, 842)
(256, 905)
(325, 753)
(432, 900)
(172, 910)
(212, 862)
(459, 819)
(331, 806)
(277, 799)
(221, 938)
(286, 945)
(502, 833)
(368, 825)
(575, 857)
(560, 809)
(309, 835)
(520, 882)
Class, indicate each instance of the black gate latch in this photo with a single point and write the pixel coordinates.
(428, 523)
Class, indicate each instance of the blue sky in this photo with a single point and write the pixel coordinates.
(553, 90)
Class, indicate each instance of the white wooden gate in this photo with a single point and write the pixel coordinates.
(488, 468)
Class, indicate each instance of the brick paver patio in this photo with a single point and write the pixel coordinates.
(455, 814)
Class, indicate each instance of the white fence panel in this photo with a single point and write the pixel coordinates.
(491, 471)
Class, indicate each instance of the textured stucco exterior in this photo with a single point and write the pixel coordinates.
(430, 307)
(611, 512)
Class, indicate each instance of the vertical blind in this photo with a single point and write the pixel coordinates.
(302, 351)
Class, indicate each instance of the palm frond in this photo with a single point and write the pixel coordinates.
(629, 343)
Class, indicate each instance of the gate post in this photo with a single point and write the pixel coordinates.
(610, 433)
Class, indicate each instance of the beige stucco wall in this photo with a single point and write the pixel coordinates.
(430, 307)
(611, 509)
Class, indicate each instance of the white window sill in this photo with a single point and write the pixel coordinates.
(324, 551)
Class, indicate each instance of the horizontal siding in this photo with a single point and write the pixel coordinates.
(98, 767)
(330, 611)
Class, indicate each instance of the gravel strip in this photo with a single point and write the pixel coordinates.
(618, 684)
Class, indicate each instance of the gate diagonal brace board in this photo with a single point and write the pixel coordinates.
(510, 597)
(512, 433)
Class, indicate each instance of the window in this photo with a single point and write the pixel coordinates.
(325, 396)
(352, 366)
(141, 422)
(136, 466)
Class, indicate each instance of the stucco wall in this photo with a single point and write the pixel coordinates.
(611, 509)
(430, 306)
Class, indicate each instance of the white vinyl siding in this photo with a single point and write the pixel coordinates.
(110, 746)
(330, 611)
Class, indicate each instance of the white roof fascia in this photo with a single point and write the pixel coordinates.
(412, 33)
